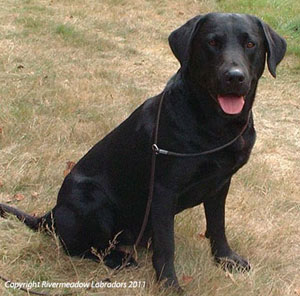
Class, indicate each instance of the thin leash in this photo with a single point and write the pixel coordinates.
(151, 189)
(155, 152)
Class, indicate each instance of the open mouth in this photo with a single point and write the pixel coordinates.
(231, 104)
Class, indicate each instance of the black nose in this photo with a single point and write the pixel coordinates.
(234, 77)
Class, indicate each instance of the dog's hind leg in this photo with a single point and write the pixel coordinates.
(91, 237)
(116, 258)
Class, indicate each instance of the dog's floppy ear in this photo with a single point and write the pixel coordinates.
(276, 47)
(181, 38)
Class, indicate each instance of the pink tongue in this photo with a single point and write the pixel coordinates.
(231, 104)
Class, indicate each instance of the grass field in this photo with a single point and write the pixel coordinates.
(70, 71)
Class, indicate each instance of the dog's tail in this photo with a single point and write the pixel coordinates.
(35, 223)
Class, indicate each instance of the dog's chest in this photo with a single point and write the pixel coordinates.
(219, 165)
(206, 177)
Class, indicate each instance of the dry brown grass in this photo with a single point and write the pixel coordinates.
(73, 70)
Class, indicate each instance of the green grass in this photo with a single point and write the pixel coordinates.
(282, 15)
(68, 32)
(71, 71)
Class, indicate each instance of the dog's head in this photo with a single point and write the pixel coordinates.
(224, 54)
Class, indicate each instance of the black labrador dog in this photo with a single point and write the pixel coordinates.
(207, 103)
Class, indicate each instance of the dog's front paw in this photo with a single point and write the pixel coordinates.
(233, 262)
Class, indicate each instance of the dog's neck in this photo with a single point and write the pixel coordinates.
(207, 116)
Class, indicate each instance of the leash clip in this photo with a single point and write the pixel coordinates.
(155, 149)
(158, 150)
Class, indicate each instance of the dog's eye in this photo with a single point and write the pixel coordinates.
(250, 44)
(212, 42)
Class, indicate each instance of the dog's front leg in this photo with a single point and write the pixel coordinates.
(162, 218)
(215, 219)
